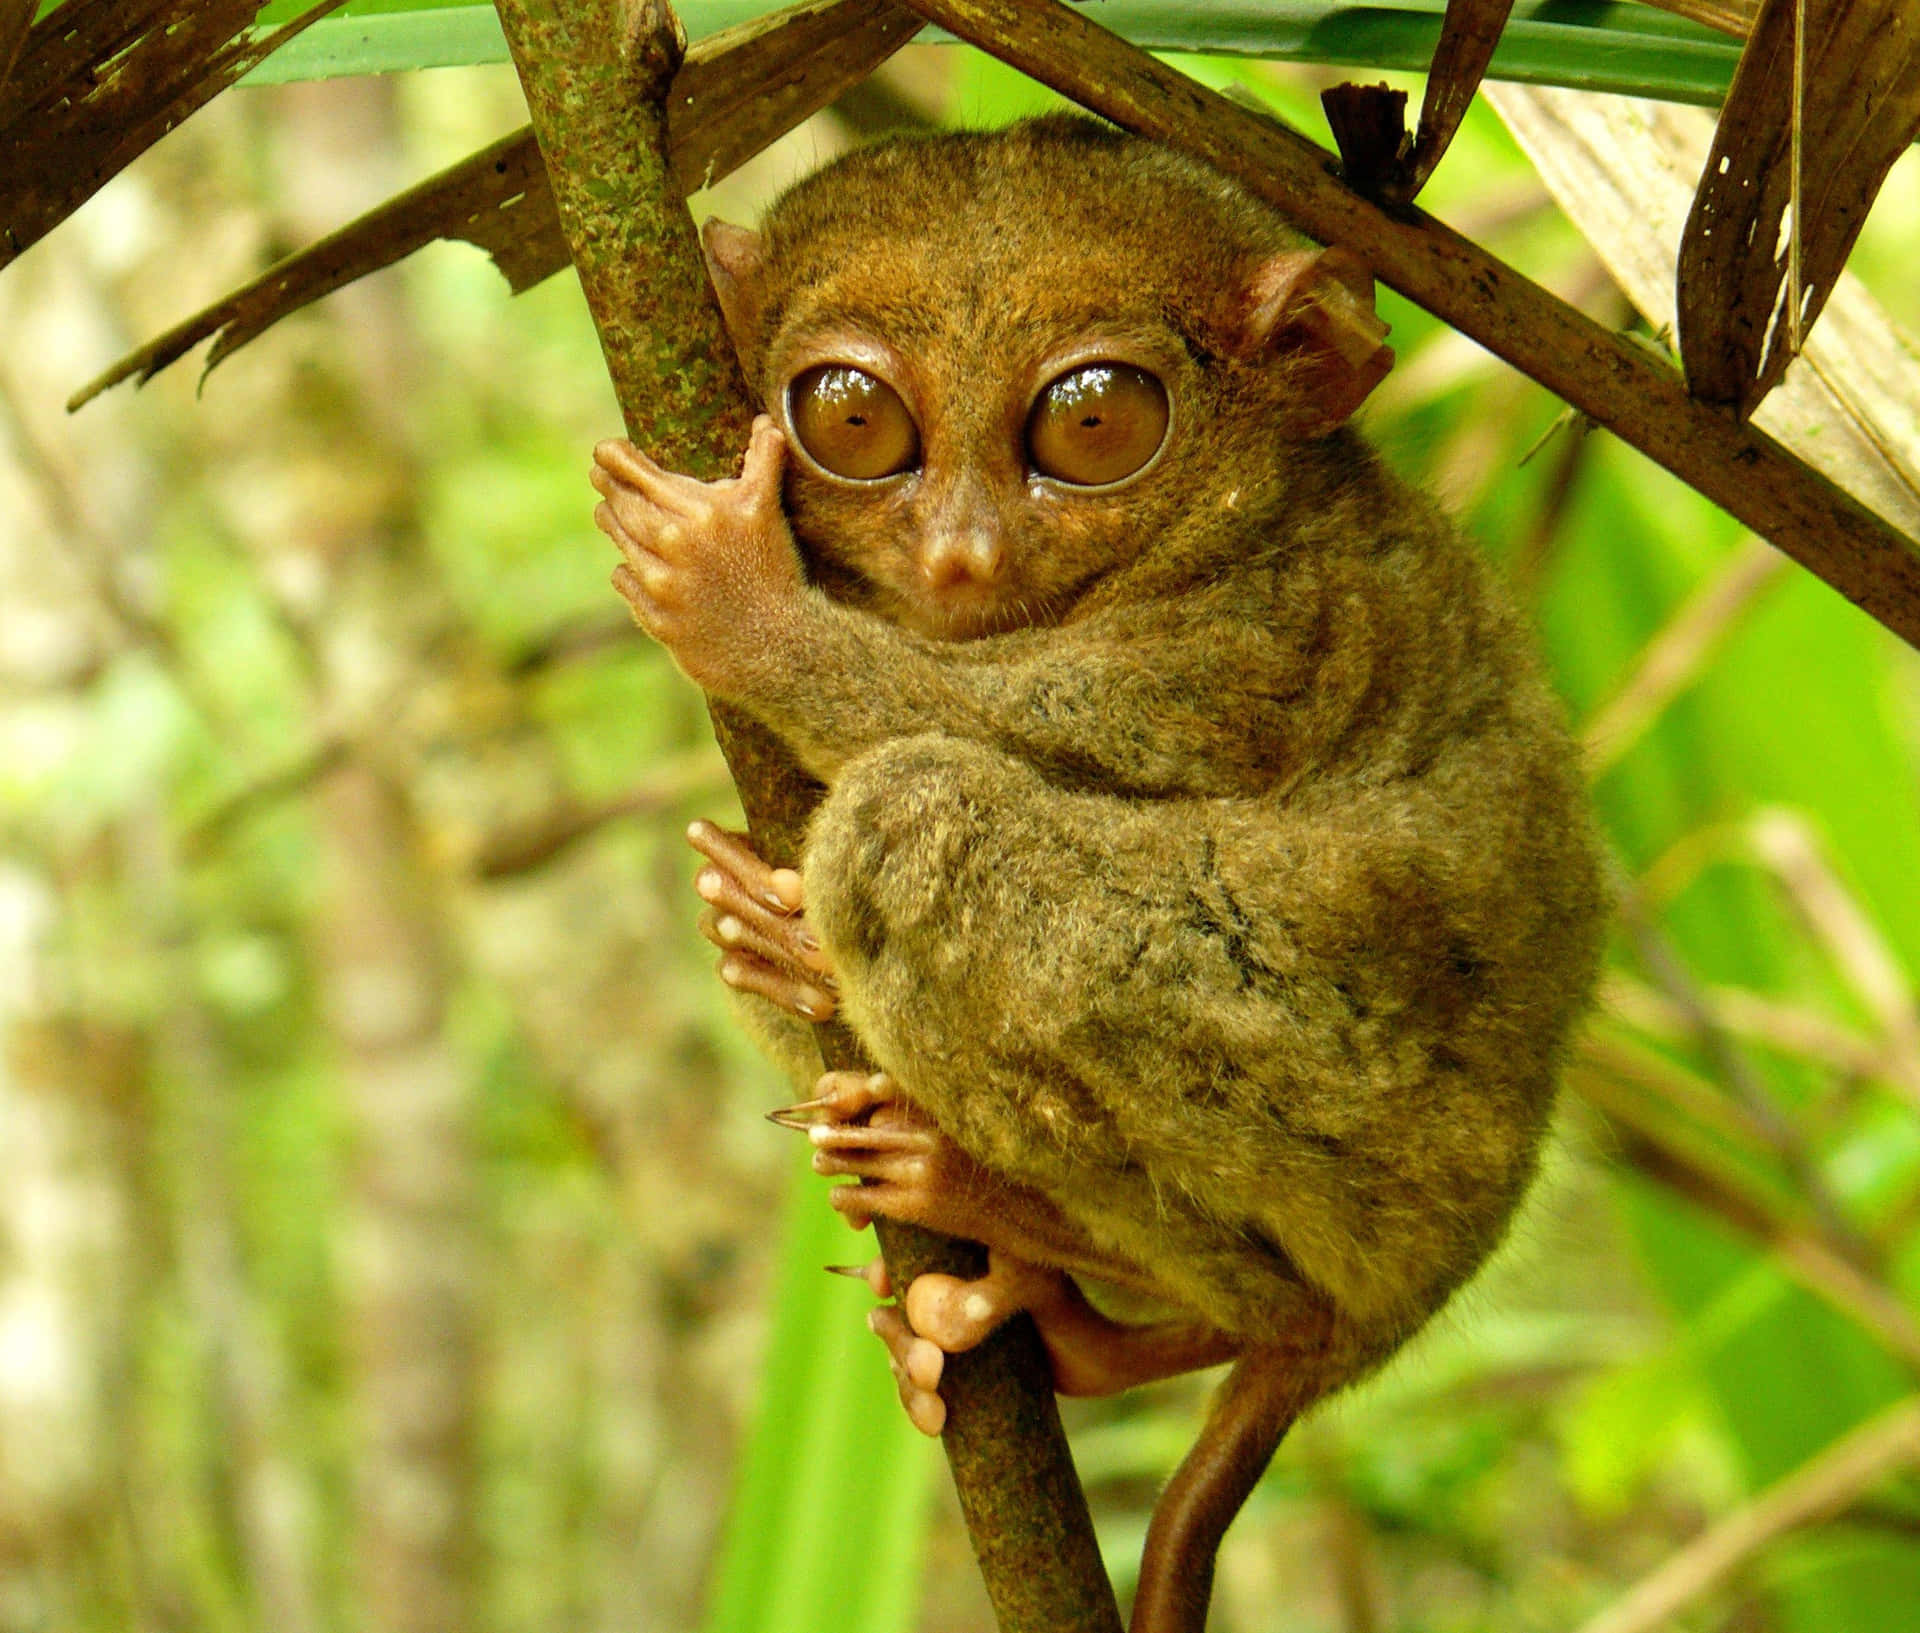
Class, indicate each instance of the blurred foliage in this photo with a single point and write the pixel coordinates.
(363, 555)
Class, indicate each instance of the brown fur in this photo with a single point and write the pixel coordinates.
(1235, 889)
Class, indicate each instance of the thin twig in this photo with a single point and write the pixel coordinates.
(1819, 1489)
(1678, 653)
(1653, 1149)
(529, 845)
(1534, 554)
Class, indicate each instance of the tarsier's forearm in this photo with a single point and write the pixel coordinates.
(1128, 718)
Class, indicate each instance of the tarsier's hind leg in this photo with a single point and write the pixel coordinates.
(862, 1127)
(1245, 1043)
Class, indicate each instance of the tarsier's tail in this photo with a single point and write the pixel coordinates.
(1267, 1390)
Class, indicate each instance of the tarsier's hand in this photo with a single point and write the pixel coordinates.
(710, 566)
(754, 916)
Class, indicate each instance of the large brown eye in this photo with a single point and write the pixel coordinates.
(851, 423)
(1097, 424)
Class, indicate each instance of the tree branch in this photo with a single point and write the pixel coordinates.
(594, 73)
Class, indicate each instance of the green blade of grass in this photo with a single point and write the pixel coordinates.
(827, 1523)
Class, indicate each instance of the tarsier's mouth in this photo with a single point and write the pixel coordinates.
(962, 615)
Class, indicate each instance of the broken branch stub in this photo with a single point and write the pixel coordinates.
(1369, 122)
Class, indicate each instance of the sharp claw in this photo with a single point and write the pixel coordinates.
(856, 1272)
(802, 1116)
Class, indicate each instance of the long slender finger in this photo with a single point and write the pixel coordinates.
(854, 1094)
(874, 1160)
(858, 1204)
(838, 1097)
(779, 888)
(914, 1139)
(681, 495)
(766, 454)
(746, 973)
(645, 613)
(785, 937)
(647, 568)
(633, 510)
(731, 933)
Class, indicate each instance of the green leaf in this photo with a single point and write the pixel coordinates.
(827, 1525)
(1591, 44)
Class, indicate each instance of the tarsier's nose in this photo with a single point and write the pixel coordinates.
(967, 556)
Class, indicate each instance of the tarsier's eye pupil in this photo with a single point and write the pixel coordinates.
(1097, 424)
(852, 423)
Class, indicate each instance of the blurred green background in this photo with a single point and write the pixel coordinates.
(388, 1234)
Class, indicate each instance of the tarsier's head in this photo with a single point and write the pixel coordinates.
(1006, 363)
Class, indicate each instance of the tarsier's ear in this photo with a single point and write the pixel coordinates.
(735, 257)
(1317, 305)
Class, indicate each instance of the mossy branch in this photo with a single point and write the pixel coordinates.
(595, 73)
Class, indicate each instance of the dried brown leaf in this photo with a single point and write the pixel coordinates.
(15, 18)
(1468, 36)
(1623, 171)
(1860, 110)
(736, 92)
(497, 198)
(99, 82)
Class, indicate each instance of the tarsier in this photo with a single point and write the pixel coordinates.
(1203, 859)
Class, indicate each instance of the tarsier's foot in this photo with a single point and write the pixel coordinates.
(754, 916)
(861, 1126)
(943, 1315)
(1090, 1354)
